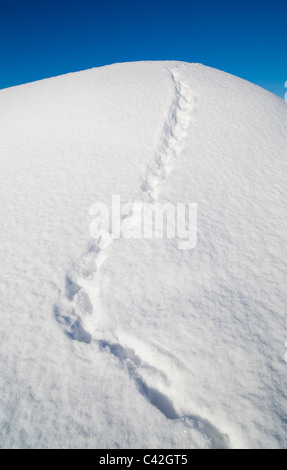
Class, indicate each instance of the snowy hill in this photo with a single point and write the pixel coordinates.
(128, 342)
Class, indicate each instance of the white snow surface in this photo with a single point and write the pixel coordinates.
(136, 343)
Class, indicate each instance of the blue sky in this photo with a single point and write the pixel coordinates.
(40, 39)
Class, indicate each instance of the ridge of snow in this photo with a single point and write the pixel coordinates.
(163, 347)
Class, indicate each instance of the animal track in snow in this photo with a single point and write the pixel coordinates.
(173, 135)
(77, 309)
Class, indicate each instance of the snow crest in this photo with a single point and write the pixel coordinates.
(155, 347)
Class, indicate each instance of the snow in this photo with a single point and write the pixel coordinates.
(135, 343)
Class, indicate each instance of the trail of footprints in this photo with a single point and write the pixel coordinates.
(77, 309)
(174, 131)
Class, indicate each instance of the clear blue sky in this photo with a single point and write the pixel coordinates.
(40, 39)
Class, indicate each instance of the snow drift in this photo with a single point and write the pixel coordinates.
(134, 343)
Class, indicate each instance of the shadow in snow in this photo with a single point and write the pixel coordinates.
(159, 400)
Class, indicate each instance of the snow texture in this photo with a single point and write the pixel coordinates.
(127, 343)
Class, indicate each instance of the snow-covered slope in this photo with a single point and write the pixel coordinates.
(136, 343)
